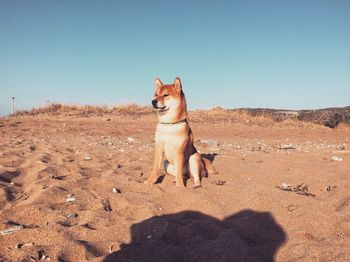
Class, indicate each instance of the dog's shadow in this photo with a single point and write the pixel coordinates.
(193, 236)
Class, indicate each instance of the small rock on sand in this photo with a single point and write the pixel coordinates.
(70, 198)
(335, 158)
(130, 140)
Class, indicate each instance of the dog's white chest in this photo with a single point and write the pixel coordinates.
(173, 138)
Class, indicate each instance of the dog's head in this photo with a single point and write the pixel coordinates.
(167, 98)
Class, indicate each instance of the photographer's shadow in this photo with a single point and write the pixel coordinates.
(193, 236)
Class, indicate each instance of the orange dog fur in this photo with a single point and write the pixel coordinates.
(174, 138)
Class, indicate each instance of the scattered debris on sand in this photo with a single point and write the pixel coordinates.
(287, 147)
(11, 230)
(335, 158)
(71, 198)
(300, 189)
(219, 182)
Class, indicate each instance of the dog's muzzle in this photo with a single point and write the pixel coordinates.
(158, 108)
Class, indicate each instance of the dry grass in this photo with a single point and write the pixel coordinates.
(133, 110)
(221, 115)
(260, 117)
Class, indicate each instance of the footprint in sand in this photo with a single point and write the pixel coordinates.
(9, 190)
(75, 248)
(48, 171)
(46, 158)
(87, 172)
(343, 204)
(68, 158)
(92, 250)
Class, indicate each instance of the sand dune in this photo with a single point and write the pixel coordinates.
(73, 186)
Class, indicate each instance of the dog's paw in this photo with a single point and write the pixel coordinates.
(180, 185)
(197, 185)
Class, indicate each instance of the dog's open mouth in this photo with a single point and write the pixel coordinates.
(161, 109)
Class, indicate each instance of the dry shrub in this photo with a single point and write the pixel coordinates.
(329, 117)
(260, 117)
(293, 123)
(52, 109)
(133, 110)
(257, 116)
(72, 110)
(221, 115)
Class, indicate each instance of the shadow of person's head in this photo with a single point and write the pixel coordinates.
(193, 236)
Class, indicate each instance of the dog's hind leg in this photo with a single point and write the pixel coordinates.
(169, 168)
(196, 168)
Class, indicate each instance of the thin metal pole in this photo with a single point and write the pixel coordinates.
(13, 105)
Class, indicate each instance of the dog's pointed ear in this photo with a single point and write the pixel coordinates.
(157, 82)
(178, 85)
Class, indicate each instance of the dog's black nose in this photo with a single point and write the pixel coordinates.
(154, 103)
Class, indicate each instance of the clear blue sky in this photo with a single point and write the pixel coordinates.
(277, 54)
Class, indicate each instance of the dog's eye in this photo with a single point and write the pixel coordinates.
(155, 95)
(166, 95)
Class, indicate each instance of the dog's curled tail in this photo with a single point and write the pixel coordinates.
(208, 166)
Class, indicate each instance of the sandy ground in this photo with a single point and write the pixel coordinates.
(74, 187)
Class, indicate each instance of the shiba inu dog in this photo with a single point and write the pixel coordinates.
(174, 138)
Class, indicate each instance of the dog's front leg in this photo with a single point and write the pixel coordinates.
(158, 157)
(179, 165)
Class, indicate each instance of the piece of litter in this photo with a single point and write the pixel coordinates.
(106, 205)
(20, 245)
(149, 236)
(88, 158)
(11, 230)
(42, 255)
(340, 147)
(72, 215)
(299, 189)
(130, 139)
(70, 198)
(335, 158)
(116, 190)
(286, 147)
(59, 177)
(286, 186)
(219, 182)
